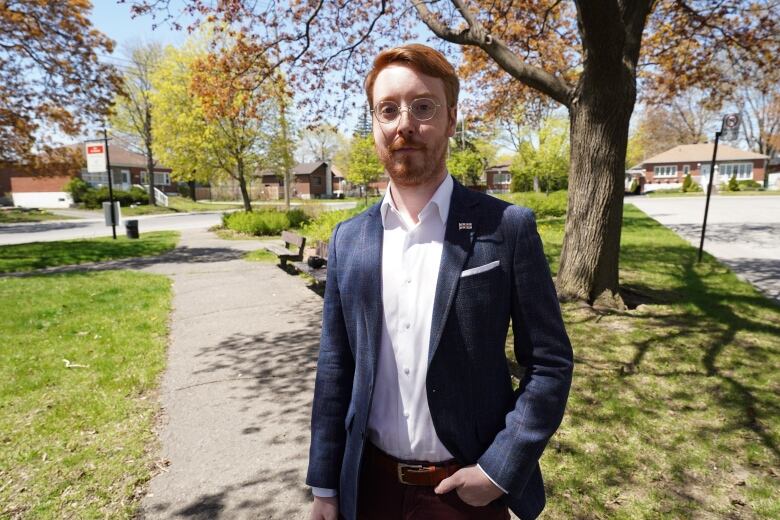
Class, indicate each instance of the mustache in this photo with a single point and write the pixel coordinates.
(404, 143)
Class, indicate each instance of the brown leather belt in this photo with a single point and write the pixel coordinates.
(410, 473)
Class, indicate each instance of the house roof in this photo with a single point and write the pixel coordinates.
(307, 168)
(120, 156)
(498, 167)
(701, 153)
(336, 172)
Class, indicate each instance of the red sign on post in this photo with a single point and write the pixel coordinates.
(96, 158)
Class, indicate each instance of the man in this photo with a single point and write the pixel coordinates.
(414, 412)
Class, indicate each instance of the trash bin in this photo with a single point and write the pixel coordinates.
(131, 227)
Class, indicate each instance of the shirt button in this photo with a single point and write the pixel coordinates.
(406, 414)
(407, 326)
(408, 280)
(406, 370)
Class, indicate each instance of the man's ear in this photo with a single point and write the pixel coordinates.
(453, 120)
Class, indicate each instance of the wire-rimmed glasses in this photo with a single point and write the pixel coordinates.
(422, 109)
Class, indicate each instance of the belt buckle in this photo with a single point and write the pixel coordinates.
(403, 469)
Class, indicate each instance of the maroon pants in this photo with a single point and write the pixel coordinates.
(383, 497)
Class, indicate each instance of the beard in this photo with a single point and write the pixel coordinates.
(423, 165)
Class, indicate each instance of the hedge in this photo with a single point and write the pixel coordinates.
(267, 222)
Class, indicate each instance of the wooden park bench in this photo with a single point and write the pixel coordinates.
(320, 274)
(285, 253)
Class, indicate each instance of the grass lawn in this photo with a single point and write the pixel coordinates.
(77, 441)
(178, 205)
(261, 255)
(16, 215)
(674, 409)
(37, 255)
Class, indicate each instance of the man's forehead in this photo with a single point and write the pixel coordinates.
(401, 79)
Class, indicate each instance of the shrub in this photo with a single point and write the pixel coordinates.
(78, 189)
(321, 228)
(139, 195)
(260, 223)
(689, 185)
(543, 206)
(732, 185)
(95, 198)
(750, 185)
(634, 188)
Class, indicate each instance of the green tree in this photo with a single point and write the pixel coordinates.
(131, 120)
(280, 155)
(363, 166)
(215, 127)
(545, 163)
(467, 166)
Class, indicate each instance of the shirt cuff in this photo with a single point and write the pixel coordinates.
(325, 492)
(491, 480)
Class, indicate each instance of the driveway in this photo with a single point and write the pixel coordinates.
(743, 232)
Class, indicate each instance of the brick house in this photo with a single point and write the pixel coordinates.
(48, 191)
(668, 169)
(498, 178)
(310, 181)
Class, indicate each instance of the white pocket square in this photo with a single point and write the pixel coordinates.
(480, 269)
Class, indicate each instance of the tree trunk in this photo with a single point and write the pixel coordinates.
(600, 116)
(242, 186)
(149, 156)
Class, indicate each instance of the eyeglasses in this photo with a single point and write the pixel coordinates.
(422, 109)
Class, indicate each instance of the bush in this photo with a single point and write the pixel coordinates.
(94, 199)
(750, 185)
(321, 228)
(689, 185)
(732, 185)
(78, 189)
(522, 182)
(139, 195)
(260, 223)
(543, 206)
(634, 188)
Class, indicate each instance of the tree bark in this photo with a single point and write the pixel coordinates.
(149, 154)
(242, 185)
(600, 114)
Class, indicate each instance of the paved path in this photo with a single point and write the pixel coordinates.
(236, 394)
(742, 232)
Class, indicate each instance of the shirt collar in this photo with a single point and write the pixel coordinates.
(440, 200)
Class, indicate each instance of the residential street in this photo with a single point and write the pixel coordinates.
(742, 231)
(90, 224)
(95, 227)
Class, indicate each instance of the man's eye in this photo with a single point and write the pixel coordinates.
(423, 106)
(388, 109)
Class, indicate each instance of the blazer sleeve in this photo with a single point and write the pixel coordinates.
(542, 346)
(333, 384)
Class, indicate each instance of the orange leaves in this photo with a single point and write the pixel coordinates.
(50, 77)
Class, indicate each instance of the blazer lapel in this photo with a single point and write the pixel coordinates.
(371, 238)
(458, 239)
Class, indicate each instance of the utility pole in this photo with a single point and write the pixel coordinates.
(729, 128)
(110, 185)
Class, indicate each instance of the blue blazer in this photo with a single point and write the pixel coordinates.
(477, 415)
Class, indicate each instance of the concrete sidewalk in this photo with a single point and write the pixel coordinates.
(237, 390)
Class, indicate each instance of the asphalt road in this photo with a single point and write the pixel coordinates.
(95, 227)
(743, 232)
(90, 224)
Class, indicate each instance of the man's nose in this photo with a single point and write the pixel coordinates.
(405, 122)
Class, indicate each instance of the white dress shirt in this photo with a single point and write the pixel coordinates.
(400, 422)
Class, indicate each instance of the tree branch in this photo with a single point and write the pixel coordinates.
(476, 35)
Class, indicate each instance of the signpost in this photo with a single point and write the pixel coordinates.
(98, 161)
(729, 130)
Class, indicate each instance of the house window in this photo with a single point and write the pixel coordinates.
(501, 178)
(686, 169)
(742, 171)
(160, 179)
(316, 181)
(665, 171)
(95, 179)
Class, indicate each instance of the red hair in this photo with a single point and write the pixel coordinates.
(421, 58)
